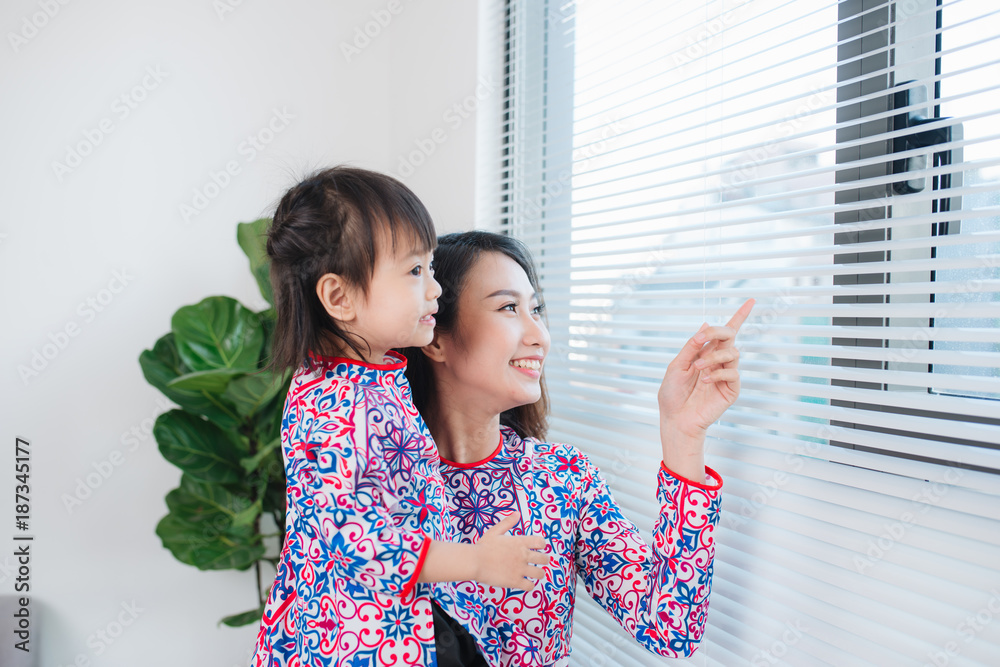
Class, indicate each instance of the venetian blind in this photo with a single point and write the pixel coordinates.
(839, 161)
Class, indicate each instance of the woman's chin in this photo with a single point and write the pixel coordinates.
(524, 398)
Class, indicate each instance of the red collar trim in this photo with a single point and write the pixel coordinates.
(476, 464)
(398, 364)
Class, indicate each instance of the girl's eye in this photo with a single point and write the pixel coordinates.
(416, 270)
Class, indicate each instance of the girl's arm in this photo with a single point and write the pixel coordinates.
(339, 508)
(659, 593)
(497, 559)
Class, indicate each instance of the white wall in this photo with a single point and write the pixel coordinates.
(63, 240)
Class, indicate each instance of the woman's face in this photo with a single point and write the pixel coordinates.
(495, 352)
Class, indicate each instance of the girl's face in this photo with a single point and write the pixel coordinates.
(398, 310)
(494, 355)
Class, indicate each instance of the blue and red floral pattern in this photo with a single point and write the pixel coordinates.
(659, 593)
(364, 499)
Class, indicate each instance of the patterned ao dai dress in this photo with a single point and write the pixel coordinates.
(658, 593)
(364, 499)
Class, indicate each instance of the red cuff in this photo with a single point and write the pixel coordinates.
(408, 588)
(716, 478)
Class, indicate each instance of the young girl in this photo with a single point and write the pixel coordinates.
(366, 525)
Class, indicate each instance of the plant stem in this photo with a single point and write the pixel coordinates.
(260, 591)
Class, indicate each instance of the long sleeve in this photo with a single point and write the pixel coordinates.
(659, 593)
(364, 499)
(334, 483)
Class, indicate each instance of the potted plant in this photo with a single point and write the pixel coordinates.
(225, 434)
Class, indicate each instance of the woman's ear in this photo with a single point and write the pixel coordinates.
(435, 350)
(335, 297)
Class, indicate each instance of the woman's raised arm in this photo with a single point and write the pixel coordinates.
(701, 382)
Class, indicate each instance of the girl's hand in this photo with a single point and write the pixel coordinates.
(701, 382)
(509, 561)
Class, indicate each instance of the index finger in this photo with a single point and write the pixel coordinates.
(506, 523)
(737, 320)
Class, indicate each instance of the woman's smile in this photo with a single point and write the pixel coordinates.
(530, 366)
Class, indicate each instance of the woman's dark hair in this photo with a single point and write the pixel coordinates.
(332, 222)
(455, 256)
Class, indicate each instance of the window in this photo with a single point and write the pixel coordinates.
(928, 308)
(665, 161)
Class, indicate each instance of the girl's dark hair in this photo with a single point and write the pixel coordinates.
(332, 222)
(455, 256)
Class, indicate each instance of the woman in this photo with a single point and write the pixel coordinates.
(478, 386)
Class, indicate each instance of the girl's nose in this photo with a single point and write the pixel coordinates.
(434, 289)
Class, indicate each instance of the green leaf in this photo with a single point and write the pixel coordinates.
(244, 618)
(252, 237)
(198, 447)
(162, 365)
(209, 550)
(248, 516)
(210, 382)
(251, 393)
(210, 527)
(218, 332)
(267, 422)
(251, 463)
(203, 503)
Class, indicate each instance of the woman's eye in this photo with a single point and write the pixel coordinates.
(539, 309)
(512, 307)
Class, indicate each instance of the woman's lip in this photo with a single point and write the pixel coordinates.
(531, 372)
(428, 319)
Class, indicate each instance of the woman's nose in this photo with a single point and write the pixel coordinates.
(535, 332)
